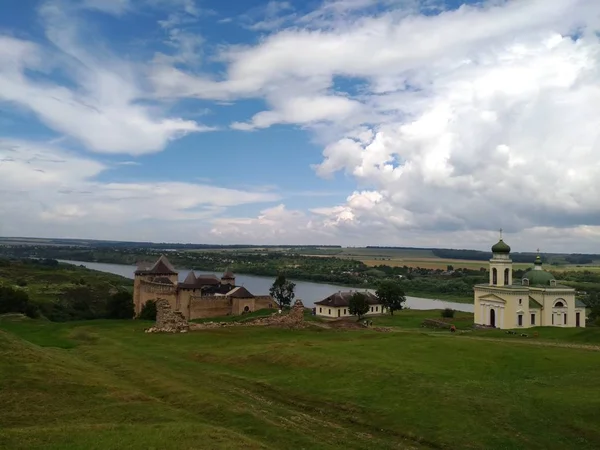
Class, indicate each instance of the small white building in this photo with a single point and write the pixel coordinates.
(336, 305)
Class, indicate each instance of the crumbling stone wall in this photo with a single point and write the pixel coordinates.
(293, 319)
(167, 320)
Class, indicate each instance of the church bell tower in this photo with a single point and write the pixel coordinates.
(500, 264)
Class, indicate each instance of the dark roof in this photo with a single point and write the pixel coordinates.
(207, 279)
(533, 303)
(342, 298)
(161, 266)
(199, 281)
(239, 292)
(500, 247)
(190, 278)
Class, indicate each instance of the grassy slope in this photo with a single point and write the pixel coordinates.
(46, 283)
(107, 384)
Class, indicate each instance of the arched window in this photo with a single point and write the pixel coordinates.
(494, 276)
(559, 304)
(506, 277)
(525, 282)
(552, 282)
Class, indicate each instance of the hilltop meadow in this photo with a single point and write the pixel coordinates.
(67, 383)
(106, 384)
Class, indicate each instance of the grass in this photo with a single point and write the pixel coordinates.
(412, 318)
(44, 283)
(106, 384)
(242, 318)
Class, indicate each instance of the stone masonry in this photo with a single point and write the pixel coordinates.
(167, 320)
(293, 319)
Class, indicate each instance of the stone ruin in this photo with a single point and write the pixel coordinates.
(167, 320)
(293, 319)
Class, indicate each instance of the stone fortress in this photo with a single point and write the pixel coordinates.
(197, 296)
(537, 299)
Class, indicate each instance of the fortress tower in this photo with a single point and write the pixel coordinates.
(149, 279)
(228, 278)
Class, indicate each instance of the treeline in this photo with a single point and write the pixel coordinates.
(91, 243)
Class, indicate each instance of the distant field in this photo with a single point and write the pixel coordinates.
(399, 257)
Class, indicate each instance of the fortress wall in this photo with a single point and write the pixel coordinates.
(136, 294)
(152, 291)
(238, 305)
(264, 301)
(209, 306)
(253, 304)
(183, 301)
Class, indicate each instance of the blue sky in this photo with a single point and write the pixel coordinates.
(391, 122)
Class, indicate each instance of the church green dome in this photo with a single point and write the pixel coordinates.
(538, 277)
(500, 247)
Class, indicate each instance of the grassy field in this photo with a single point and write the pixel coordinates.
(106, 384)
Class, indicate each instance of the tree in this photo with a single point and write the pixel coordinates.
(448, 313)
(593, 304)
(120, 306)
(391, 295)
(358, 305)
(148, 311)
(16, 301)
(283, 291)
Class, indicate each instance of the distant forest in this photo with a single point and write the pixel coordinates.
(148, 245)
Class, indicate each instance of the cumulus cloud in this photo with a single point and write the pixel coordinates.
(275, 225)
(99, 103)
(466, 119)
(46, 187)
(451, 123)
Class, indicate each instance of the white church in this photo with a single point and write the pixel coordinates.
(535, 300)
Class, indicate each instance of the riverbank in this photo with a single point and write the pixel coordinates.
(309, 292)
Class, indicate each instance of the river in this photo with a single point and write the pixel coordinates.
(308, 291)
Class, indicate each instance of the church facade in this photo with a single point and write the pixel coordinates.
(198, 296)
(537, 299)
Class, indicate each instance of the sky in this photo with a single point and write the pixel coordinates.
(424, 123)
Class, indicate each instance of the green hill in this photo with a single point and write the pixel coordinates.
(106, 384)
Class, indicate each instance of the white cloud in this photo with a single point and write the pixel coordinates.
(44, 189)
(450, 124)
(99, 105)
(276, 225)
(469, 119)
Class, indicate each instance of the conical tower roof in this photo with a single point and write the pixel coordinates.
(163, 266)
(191, 278)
